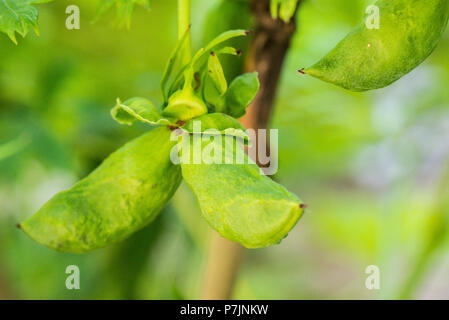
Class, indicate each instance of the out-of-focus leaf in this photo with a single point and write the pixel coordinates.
(12, 147)
(125, 193)
(19, 16)
(124, 8)
(240, 94)
(127, 261)
(284, 9)
(438, 226)
(239, 202)
(139, 109)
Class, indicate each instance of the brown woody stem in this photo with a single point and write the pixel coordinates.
(270, 43)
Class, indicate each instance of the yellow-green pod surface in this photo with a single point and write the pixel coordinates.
(242, 204)
(370, 58)
(122, 195)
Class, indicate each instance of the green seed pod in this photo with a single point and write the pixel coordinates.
(240, 203)
(122, 195)
(373, 57)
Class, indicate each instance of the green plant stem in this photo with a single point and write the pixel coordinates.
(223, 263)
(183, 25)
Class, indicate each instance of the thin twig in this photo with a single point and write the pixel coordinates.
(270, 43)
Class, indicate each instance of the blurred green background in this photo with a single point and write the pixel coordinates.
(372, 167)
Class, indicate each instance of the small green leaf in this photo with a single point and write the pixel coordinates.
(197, 60)
(175, 59)
(240, 94)
(125, 193)
(229, 50)
(242, 204)
(200, 58)
(19, 16)
(216, 74)
(220, 123)
(213, 83)
(139, 109)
